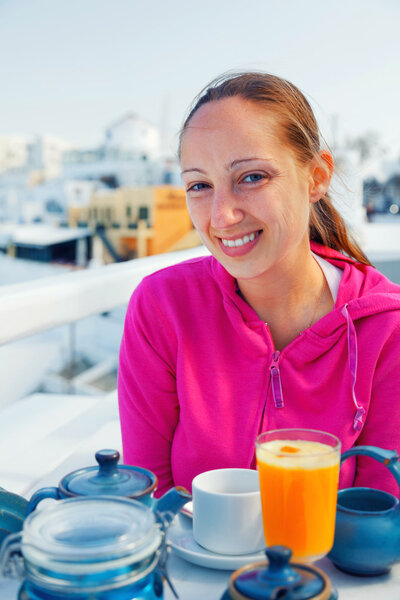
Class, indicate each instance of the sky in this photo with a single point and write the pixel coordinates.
(71, 67)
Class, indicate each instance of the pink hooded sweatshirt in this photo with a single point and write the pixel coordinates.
(199, 377)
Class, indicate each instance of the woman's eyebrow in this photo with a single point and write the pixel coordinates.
(235, 163)
(230, 166)
(193, 169)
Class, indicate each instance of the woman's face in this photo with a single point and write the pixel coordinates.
(247, 196)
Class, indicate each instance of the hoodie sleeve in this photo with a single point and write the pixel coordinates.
(148, 402)
(382, 426)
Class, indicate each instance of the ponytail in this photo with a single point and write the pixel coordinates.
(327, 227)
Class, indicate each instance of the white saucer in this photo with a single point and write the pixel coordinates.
(181, 539)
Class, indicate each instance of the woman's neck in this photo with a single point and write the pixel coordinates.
(289, 298)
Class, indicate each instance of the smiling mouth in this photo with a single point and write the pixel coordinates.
(246, 239)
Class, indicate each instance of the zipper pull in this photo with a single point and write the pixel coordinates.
(276, 381)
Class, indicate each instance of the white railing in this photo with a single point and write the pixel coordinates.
(29, 308)
(43, 436)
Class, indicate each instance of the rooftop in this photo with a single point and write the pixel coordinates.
(40, 234)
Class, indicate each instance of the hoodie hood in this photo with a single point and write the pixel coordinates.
(363, 289)
(361, 286)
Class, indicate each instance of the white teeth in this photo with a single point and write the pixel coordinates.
(240, 241)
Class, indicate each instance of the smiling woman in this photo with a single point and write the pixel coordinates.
(274, 330)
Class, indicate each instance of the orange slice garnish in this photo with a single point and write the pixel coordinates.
(289, 449)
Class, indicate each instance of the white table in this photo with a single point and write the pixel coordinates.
(198, 583)
(45, 437)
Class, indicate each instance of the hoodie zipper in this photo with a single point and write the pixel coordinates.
(276, 383)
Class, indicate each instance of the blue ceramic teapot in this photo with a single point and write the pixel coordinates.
(367, 534)
(13, 510)
(108, 478)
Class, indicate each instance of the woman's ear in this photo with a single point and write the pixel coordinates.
(321, 171)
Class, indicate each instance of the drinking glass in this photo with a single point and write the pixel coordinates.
(299, 474)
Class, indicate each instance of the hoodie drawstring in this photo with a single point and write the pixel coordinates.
(276, 380)
(276, 384)
(353, 358)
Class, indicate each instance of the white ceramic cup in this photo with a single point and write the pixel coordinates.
(227, 511)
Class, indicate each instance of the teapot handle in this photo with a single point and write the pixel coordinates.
(11, 560)
(46, 492)
(389, 458)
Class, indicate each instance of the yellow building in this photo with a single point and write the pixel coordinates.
(138, 221)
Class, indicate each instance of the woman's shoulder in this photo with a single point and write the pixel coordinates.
(185, 282)
(187, 274)
(175, 295)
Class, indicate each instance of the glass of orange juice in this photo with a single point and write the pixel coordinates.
(299, 473)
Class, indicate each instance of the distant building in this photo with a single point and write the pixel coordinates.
(381, 185)
(26, 168)
(47, 244)
(133, 137)
(392, 190)
(137, 222)
(41, 177)
(45, 156)
(382, 196)
(13, 152)
(130, 155)
(14, 184)
(373, 195)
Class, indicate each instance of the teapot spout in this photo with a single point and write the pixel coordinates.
(171, 502)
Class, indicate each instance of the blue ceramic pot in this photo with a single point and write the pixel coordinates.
(108, 478)
(367, 533)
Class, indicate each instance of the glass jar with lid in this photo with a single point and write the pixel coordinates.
(89, 548)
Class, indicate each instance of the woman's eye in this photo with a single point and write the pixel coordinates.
(196, 187)
(253, 178)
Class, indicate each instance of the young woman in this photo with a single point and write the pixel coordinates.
(286, 324)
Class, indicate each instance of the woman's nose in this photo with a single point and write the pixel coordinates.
(225, 211)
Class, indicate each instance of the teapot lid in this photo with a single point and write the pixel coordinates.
(90, 530)
(109, 478)
(277, 578)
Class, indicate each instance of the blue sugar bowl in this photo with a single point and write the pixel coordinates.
(97, 548)
(277, 577)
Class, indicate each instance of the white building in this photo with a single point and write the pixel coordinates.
(45, 155)
(14, 184)
(13, 152)
(134, 138)
(130, 155)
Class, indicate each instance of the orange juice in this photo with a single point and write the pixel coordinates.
(299, 483)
